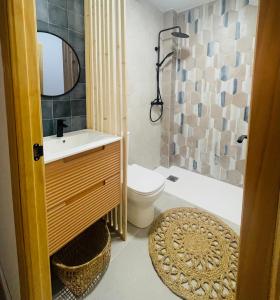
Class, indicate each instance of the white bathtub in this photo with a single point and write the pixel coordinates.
(75, 142)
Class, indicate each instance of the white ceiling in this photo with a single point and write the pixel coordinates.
(178, 5)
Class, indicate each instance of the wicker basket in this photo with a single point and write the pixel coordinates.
(81, 264)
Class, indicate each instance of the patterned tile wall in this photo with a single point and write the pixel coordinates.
(65, 18)
(212, 87)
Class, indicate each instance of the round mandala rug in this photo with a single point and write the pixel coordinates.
(195, 254)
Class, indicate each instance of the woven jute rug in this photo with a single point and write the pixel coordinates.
(195, 254)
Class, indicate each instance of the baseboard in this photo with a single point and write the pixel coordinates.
(4, 291)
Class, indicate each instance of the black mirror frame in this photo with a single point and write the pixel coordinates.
(78, 60)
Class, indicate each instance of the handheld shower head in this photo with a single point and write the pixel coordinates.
(180, 34)
(168, 55)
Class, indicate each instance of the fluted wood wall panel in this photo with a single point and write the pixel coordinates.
(106, 83)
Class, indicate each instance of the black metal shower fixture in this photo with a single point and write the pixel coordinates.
(158, 100)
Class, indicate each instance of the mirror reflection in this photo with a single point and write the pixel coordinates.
(59, 65)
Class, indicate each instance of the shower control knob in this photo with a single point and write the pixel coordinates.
(241, 138)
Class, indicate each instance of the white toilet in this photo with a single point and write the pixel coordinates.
(143, 188)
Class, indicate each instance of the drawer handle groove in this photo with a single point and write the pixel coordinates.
(79, 155)
(83, 193)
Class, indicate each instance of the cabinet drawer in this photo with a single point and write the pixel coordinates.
(74, 215)
(70, 176)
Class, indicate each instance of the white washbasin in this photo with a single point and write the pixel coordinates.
(71, 143)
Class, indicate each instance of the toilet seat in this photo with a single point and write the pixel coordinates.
(143, 181)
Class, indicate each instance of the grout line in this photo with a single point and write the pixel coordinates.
(65, 8)
(57, 5)
(48, 12)
(79, 99)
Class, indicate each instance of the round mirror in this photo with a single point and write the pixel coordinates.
(59, 65)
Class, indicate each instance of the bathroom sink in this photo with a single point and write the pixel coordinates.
(75, 142)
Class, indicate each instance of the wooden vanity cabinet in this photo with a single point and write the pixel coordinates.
(80, 190)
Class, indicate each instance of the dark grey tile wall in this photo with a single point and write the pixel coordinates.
(65, 18)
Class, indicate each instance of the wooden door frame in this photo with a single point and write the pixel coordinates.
(22, 92)
(257, 273)
(259, 264)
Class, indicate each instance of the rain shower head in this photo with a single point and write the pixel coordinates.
(180, 34)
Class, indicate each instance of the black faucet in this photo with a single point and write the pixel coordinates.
(59, 128)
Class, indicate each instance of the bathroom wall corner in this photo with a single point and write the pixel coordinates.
(144, 22)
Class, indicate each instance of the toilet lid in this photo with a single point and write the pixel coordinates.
(144, 181)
